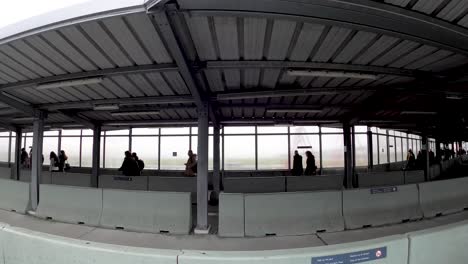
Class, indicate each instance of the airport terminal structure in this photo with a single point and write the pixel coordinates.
(271, 131)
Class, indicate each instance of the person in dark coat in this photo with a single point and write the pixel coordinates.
(298, 169)
(311, 168)
(129, 166)
(141, 164)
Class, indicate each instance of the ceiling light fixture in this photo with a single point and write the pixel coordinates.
(454, 97)
(333, 74)
(106, 107)
(23, 119)
(132, 113)
(418, 113)
(68, 83)
(273, 94)
(292, 110)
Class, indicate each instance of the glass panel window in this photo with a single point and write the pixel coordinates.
(51, 133)
(147, 150)
(87, 152)
(304, 129)
(174, 152)
(195, 130)
(122, 132)
(13, 145)
(273, 152)
(392, 149)
(175, 131)
(87, 132)
(115, 151)
(210, 149)
(4, 145)
(49, 144)
(145, 131)
(360, 129)
(361, 150)
(303, 143)
(272, 130)
(375, 150)
(383, 149)
(381, 131)
(240, 153)
(69, 132)
(71, 146)
(399, 150)
(331, 130)
(333, 151)
(239, 130)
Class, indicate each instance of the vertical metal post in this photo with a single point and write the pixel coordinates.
(370, 150)
(425, 149)
(17, 169)
(59, 145)
(202, 172)
(36, 167)
(353, 145)
(348, 155)
(130, 148)
(96, 156)
(216, 159)
(256, 149)
(388, 148)
(320, 149)
(9, 149)
(289, 148)
(159, 148)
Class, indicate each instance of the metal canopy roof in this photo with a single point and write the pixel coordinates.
(177, 56)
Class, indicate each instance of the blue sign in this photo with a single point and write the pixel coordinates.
(353, 257)
(120, 178)
(384, 190)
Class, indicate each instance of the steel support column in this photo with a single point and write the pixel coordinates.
(202, 172)
(216, 160)
(36, 164)
(15, 173)
(348, 156)
(370, 150)
(425, 151)
(96, 156)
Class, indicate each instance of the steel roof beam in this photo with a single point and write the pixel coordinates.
(156, 100)
(315, 65)
(79, 119)
(173, 46)
(22, 106)
(80, 75)
(364, 15)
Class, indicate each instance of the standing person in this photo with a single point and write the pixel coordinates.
(129, 165)
(191, 165)
(54, 162)
(63, 158)
(311, 168)
(24, 158)
(410, 160)
(298, 169)
(141, 164)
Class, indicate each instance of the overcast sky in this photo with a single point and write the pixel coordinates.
(12, 11)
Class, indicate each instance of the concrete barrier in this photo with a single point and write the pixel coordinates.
(296, 213)
(416, 176)
(254, 184)
(380, 206)
(123, 182)
(434, 171)
(443, 197)
(70, 204)
(25, 175)
(389, 250)
(14, 195)
(71, 179)
(237, 174)
(25, 246)
(156, 212)
(313, 183)
(381, 178)
(231, 215)
(5, 173)
(445, 244)
(174, 184)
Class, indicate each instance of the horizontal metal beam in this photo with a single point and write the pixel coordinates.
(8, 126)
(314, 65)
(80, 75)
(27, 109)
(79, 119)
(272, 93)
(364, 15)
(156, 100)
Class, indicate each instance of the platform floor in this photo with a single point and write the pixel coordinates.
(213, 242)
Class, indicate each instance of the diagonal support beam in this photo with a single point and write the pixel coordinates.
(188, 73)
(21, 106)
(78, 119)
